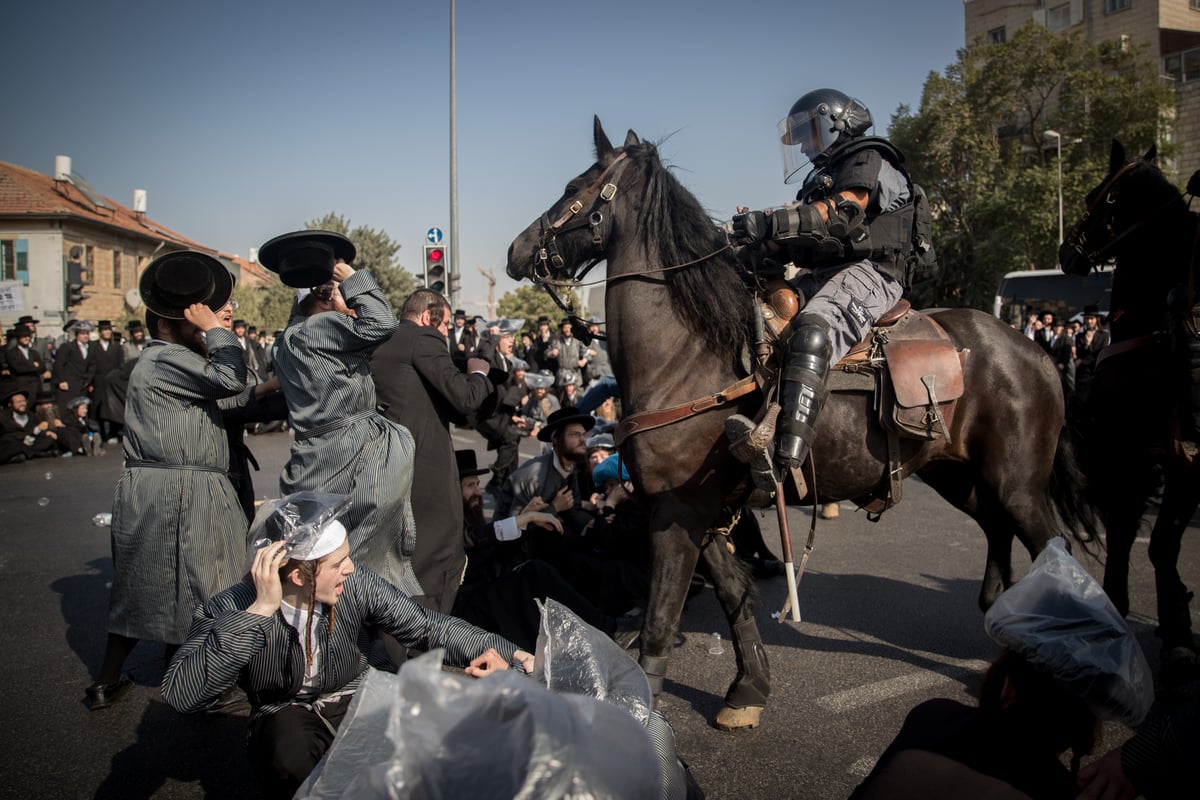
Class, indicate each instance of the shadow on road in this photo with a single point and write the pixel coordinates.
(205, 749)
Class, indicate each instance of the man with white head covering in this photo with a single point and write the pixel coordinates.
(289, 633)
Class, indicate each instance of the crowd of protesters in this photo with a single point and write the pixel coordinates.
(378, 546)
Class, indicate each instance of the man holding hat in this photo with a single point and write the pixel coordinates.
(178, 532)
(323, 363)
(424, 391)
(75, 365)
(289, 635)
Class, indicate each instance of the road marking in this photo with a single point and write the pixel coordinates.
(878, 692)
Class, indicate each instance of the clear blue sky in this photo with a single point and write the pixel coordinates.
(246, 119)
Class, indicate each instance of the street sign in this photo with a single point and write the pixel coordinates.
(434, 235)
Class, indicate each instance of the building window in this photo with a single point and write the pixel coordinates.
(1113, 6)
(116, 269)
(997, 35)
(14, 260)
(89, 265)
(1058, 17)
(1194, 5)
(1183, 67)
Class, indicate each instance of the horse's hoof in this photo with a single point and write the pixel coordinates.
(830, 511)
(738, 719)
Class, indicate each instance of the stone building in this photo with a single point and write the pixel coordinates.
(1169, 28)
(57, 230)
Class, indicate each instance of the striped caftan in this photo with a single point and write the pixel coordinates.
(178, 531)
(342, 445)
(228, 644)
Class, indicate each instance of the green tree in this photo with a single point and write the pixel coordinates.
(529, 302)
(267, 306)
(977, 145)
(376, 252)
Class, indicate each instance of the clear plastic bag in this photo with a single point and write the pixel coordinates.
(427, 733)
(296, 518)
(1062, 622)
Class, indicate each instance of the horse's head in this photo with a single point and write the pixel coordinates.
(1132, 195)
(571, 235)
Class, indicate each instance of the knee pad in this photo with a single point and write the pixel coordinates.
(810, 346)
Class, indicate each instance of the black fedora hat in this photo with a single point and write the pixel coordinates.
(174, 281)
(304, 259)
(564, 417)
(13, 393)
(467, 465)
(27, 319)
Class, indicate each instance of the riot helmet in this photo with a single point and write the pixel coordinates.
(815, 122)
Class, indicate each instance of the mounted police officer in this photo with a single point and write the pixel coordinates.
(851, 234)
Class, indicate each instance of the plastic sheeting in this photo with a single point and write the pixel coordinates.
(1062, 622)
(428, 733)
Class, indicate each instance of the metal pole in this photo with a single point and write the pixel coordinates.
(1058, 140)
(452, 271)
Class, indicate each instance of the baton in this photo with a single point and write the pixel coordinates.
(785, 541)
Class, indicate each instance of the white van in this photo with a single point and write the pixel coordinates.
(1034, 291)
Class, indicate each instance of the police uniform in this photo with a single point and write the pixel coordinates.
(855, 257)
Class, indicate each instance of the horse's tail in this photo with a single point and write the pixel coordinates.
(1069, 493)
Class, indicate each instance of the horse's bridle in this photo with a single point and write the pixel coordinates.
(598, 192)
(547, 259)
(1077, 238)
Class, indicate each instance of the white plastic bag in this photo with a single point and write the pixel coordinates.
(1063, 623)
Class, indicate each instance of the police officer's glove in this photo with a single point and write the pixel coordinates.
(751, 228)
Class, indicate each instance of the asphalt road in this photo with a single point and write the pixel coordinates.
(890, 620)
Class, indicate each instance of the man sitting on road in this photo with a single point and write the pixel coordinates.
(502, 583)
(288, 635)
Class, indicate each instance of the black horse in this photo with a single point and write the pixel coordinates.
(678, 322)
(1130, 429)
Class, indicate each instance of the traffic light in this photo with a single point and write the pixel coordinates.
(435, 267)
(74, 294)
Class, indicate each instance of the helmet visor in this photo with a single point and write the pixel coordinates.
(804, 136)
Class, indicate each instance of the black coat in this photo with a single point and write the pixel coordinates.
(421, 388)
(26, 371)
(71, 368)
(106, 361)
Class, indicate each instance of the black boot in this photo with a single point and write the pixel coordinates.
(804, 391)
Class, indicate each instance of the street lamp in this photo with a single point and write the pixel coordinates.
(1058, 141)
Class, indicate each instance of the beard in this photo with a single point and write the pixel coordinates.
(473, 512)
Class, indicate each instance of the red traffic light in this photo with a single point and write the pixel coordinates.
(435, 254)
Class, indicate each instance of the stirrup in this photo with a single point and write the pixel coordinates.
(755, 445)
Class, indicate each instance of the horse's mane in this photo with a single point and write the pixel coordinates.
(709, 298)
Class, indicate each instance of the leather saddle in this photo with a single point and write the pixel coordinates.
(907, 362)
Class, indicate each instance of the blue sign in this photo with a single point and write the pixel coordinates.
(434, 235)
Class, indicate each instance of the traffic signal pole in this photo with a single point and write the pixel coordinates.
(452, 265)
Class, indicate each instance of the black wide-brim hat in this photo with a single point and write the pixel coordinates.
(304, 259)
(467, 464)
(13, 393)
(564, 417)
(174, 281)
